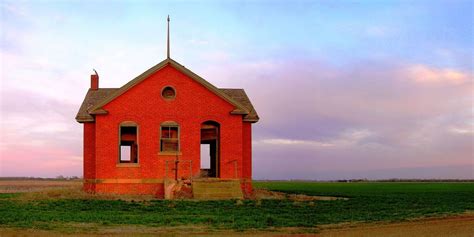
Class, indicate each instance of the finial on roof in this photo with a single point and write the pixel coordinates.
(168, 46)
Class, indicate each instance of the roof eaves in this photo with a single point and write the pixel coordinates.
(84, 119)
(239, 111)
(251, 120)
(99, 111)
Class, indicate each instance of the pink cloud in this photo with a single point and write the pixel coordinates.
(425, 74)
(39, 135)
(308, 108)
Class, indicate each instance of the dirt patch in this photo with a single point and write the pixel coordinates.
(433, 227)
(266, 194)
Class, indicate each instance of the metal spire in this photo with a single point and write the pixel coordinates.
(168, 46)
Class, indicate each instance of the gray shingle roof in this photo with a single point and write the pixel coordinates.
(92, 98)
(240, 96)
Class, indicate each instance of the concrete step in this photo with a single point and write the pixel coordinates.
(213, 189)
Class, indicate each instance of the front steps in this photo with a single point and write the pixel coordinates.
(203, 189)
(216, 189)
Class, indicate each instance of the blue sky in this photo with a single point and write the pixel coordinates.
(379, 89)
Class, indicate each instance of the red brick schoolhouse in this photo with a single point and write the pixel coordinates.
(147, 136)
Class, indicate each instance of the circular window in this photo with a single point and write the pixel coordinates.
(168, 93)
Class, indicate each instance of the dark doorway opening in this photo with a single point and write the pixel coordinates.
(209, 149)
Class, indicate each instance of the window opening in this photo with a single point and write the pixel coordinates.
(128, 144)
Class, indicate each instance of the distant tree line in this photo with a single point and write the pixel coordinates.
(59, 177)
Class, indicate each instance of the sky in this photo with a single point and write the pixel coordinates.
(344, 89)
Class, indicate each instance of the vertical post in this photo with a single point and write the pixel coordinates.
(168, 45)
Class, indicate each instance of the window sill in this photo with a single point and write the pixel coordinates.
(129, 165)
(169, 153)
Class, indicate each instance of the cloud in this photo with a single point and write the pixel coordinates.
(349, 138)
(363, 116)
(462, 130)
(377, 31)
(39, 135)
(425, 74)
(285, 142)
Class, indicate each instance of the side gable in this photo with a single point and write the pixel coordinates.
(239, 108)
(92, 98)
(240, 96)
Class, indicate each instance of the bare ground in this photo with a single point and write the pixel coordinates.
(451, 226)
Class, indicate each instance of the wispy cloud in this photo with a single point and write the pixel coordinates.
(378, 31)
(364, 116)
(425, 74)
(37, 133)
(349, 138)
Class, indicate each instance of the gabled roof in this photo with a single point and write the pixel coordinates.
(96, 99)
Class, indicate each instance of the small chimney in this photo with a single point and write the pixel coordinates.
(95, 81)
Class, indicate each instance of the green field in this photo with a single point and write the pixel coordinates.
(372, 201)
(368, 202)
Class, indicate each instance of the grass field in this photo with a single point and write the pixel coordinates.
(367, 202)
(382, 201)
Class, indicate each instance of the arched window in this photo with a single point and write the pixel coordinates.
(169, 137)
(128, 150)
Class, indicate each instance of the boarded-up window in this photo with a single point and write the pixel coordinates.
(128, 144)
(169, 141)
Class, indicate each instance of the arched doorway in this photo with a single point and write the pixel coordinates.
(210, 149)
